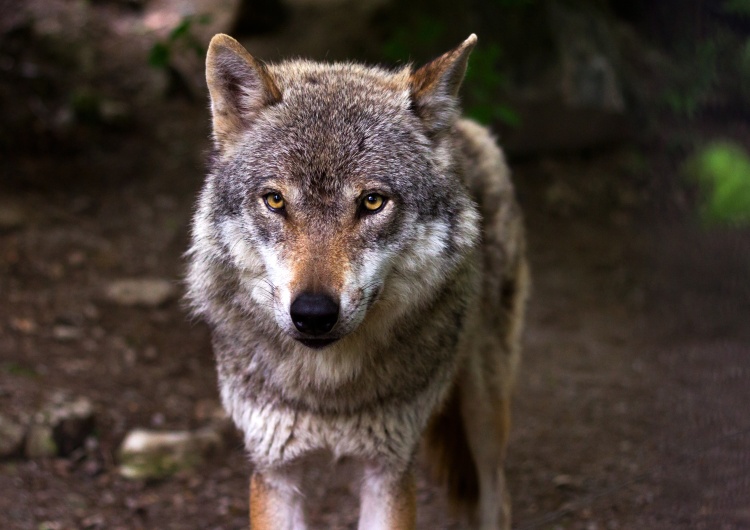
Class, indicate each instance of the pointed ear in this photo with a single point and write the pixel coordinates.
(434, 87)
(239, 85)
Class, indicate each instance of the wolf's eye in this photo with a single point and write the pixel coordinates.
(274, 201)
(373, 202)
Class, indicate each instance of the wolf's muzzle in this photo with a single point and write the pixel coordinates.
(314, 314)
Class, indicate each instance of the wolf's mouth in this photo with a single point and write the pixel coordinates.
(317, 344)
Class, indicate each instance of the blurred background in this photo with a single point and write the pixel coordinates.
(626, 125)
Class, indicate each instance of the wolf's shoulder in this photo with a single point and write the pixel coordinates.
(485, 170)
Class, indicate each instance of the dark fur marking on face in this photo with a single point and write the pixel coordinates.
(263, 233)
(386, 234)
(229, 203)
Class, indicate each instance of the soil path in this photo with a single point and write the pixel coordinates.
(631, 409)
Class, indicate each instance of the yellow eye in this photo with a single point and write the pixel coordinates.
(373, 202)
(274, 201)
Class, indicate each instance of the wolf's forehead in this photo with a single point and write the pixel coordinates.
(336, 126)
(341, 89)
(329, 117)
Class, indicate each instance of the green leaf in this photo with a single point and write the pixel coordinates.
(158, 57)
(482, 113)
(722, 170)
(419, 37)
(198, 48)
(507, 115)
(737, 7)
(182, 29)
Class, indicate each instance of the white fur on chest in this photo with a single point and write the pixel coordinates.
(276, 435)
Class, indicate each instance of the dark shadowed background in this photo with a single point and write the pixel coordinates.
(626, 125)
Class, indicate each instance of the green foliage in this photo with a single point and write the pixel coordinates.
(407, 40)
(713, 69)
(743, 67)
(693, 84)
(181, 36)
(159, 55)
(722, 171)
(485, 84)
(737, 7)
(86, 106)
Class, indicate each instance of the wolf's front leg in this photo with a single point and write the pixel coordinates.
(275, 504)
(387, 502)
(486, 417)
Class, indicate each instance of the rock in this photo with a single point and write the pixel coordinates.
(146, 292)
(115, 112)
(11, 437)
(569, 95)
(567, 482)
(60, 427)
(64, 333)
(147, 454)
(40, 442)
(588, 56)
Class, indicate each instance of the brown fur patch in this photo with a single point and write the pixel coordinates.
(318, 266)
(261, 511)
(404, 513)
(239, 85)
(450, 456)
(446, 72)
(271, 92)
(503, 422)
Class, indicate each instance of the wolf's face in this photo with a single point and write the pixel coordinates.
(332, 190)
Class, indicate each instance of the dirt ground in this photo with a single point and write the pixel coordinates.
(631, 409)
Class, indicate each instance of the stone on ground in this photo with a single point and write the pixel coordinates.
(11, 437)
(145, 292)
(147, 454)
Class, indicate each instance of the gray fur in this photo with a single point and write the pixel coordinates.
(422, 279)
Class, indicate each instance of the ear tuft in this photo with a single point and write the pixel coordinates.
(239, 86)
(435, 86)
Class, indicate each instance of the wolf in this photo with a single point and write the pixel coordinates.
(358, 253)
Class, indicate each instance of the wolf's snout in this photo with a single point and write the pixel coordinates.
(314, 314)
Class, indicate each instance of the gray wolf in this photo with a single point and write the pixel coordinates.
(358, 253)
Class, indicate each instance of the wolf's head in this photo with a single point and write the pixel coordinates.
(334, 189)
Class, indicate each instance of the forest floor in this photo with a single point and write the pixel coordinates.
(631, 410)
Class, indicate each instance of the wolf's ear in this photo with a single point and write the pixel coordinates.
(239, 85)
(434, 87)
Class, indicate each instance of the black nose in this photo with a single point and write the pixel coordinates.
(314, 314)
